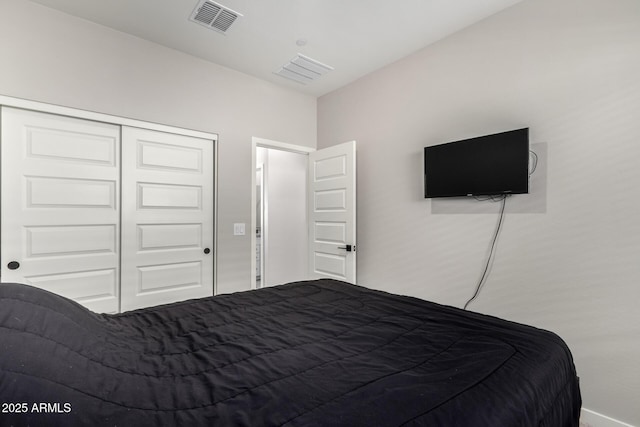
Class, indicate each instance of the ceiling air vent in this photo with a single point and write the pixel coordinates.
(303, 69)
(214, 16)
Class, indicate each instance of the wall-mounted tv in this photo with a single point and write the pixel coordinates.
(495, 164)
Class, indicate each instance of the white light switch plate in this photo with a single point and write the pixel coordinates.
(238, 229)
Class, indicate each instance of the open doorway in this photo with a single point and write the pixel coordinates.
(279, 217)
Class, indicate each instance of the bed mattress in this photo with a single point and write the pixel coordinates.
(314, 353)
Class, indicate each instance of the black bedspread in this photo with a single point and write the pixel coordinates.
(318, 353)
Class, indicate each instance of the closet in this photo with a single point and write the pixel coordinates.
(114, 214)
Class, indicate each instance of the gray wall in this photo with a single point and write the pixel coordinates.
(55, 58)
(569, 261)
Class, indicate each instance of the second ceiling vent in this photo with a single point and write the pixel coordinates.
(214, 16)
(303, 69)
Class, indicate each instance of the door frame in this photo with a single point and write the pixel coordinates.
(270, 144)
(261, 169)
(42, 107)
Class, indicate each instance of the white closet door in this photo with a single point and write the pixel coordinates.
(60, 206)
(167, 211)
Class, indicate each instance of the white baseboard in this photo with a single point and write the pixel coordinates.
(590, 418)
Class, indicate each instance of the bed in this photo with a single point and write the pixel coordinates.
(313, 353)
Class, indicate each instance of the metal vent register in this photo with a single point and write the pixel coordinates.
(214, 16)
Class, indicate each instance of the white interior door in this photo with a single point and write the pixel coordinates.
(60, 206)
(167, 200)
(332, 212)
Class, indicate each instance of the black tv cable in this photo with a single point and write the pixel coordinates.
(491, 251)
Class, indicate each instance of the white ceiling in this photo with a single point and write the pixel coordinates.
(355, 37)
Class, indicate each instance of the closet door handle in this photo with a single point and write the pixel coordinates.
(13, 265)
(207, 250)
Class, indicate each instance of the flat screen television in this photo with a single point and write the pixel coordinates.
(495, 164)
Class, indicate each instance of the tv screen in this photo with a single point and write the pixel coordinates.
(487, 165)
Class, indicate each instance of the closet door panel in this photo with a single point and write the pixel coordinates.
(167, 210)
(60, 206)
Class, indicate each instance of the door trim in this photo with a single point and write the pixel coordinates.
(100, 117)
(277, 145)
